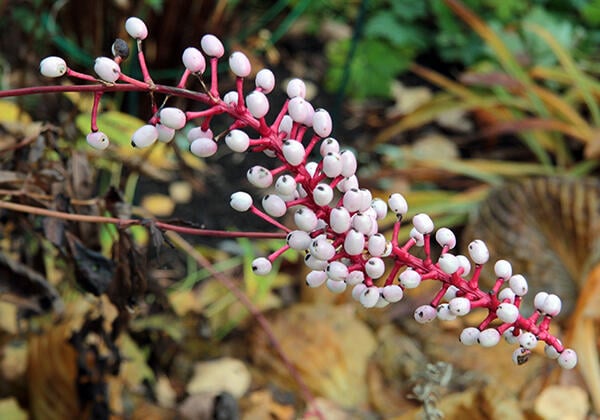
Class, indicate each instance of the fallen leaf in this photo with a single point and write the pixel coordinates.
(225, 374)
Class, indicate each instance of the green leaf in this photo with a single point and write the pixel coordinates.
(409, 9)
(383, 25)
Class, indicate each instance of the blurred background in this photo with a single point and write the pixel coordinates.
(484, 114)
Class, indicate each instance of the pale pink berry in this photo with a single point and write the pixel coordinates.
(193, 60)
(336, 287)
(567, 359)
(354, 242)
(322, 194)
(398, 204)
(503, 269)
(107, 69)
(257, 104)
(98, 140)
(469, 336)
(259, 176)
(53, 67)
(375, 267)
(322, 124)
(369, 297)
(465, 264)
(339, 220)
(239, 64)
(445, 237)
(261, 266)
(349, 164)
(231, 98)
(337, 271)
(316, 278)
(552, 305)
(450, 293)
(449, 263)
(376, 245)
(362, 223)
(274, 205)
(322, 249)
(237, 140)
(305, 219)
(380, 208)
(293, 152)
(425, 314)
(365, 200)
(296, 88)
(423, 223)
(489, 337)
(285, 185)
(265, 80)
(352, 200)
(332, 165)
(444, 313)
(479, 252)
(165, 134)
(410, 279)
(347, 184)
(212, 46)
(329, 145)
(538, 301)
(136, 28)
(507, 312)
(311, 168)
(172, 117)
(298, 240)
(460, 306)
(314, 263)
(527, 340)
(392, 293)
(518, 284)
(240, 201)
(144, 136)
(203, 147)
(298, 110)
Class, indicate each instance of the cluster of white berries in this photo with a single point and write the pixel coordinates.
(337, 221)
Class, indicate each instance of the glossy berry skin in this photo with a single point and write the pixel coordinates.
(237, 140)
(261, 266)
(265, 81)
(98, 140)
(193, 60)
(53, 67)
(241, 201)
(107, 69)
(212, 46)
(136, 28)
(479, 252)
(257, 104)
(144, 136)
(239, 64)
(172, 117)
(203, 147)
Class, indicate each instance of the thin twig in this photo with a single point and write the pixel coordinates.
(122, 223)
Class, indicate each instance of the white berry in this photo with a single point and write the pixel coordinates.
(107, 69)
(237, 140)
(489, 337)
(98, 140)
(240, 201)
(567, 359)
(322, 124)
(193, 60)
(261, 266)
(53, 67)
(398, 204)
(265, 80)
(212, 46)
(136, 28)
(172, 117)
(203, 147)
(507, 312)
(293, 152)
(144, 136)
(518, 284)
(239, 64)
(410, 279)
(445, 237)
(479, 252)
(469, 336)
(392, 293)
(369, 297)
(425, 313)
(259, 176)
